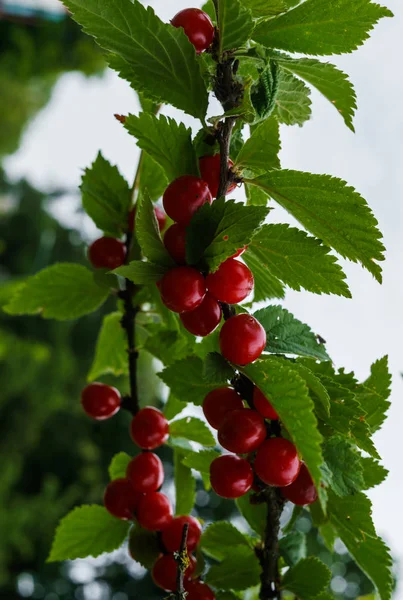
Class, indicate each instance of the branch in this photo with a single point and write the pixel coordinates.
(269, 554)
(182, 560)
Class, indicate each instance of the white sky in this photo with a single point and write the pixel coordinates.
(79, 121)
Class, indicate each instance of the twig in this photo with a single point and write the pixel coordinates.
(182, 560)
(269, 554)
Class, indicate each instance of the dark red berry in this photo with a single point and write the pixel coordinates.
(172, 534)
(100, 401)
(277, 462)
(242, 431)
(175, 242)
(184, 196)
(107, 253)
(204, 319)
(210, 167)
(242, 339)
(120, 499)
(159, 214)
(165, 571)
(197, 26)
(182, 289)
(154, 511)
(263, 406)
(218, 403)
(197, 590)
(145, 472)
(231, 476)
(231, 283)
(149, 428)
(302, 491)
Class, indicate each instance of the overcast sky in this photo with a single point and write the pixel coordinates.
(79, 121)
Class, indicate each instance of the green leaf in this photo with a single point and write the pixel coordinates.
(293, 547)
(118, 465)
(216, 368)
(373, 394)
(152, 178)
(142, 273)
(319, 393)
(144, 546)
(235, 23)
(185, 379)
(331, 211)
(221, 536)
(308, 578)
(266, 285)
(148, 233)
(260, 151)
(111, 349)
(239, 570)
(319, 28)
(192, 429)
(201, 461)
(344, 464)
(255, 196)
(173, 407)
(168, 346)
(87, 531)
(218, 230)
(373, 472)
(185, 485)
(106, 196)
(254, 514)
(266, 8)
(169, 143)
(264, 92)
(62, 291)
(300, 261)
(158, 59)
(287, 335)
(293, 104)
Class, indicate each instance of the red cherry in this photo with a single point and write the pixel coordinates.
(182, 289)
(149, 428)
(231, 283)
(197, 590)
(184, 196)
(277, 462)
(198, 27)
(239, 252)
(154, 511)
(172, 534)
(107, 253)
(175, 242)
(204, 319)
(302, 491)
(242, 431)
(165, 571)
(210, 167)
(242, 339)
(100, 401)
(145, 472)
(263, 406)
(231, 476)
(159, 213)
(218, 403)
(120, 499)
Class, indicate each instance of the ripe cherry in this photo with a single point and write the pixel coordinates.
(197, 590)
(198, 27)
(210, 167)
(277, 462)
(149, 428)
(184, 196)
(175, 242)
(263, 406)
(204, 319)
(120, 499)
(145, 472)
(100, 401)
(242, 431)
(165, 571)
(231, 283)
(231, 476)
(182, 289)
(302, 491)
(107, 253)
(159, 214)
(242, 339)
(154, 511)
(218, 403)
(239, 252)
(172, 534)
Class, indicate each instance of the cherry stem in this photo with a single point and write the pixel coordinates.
(182, 560)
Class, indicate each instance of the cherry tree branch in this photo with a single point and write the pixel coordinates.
(182, 560)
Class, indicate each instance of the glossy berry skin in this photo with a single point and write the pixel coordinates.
(165, 570)
(198, 27)
(210, 167)
(302, 491)
(218, 403)
(204, 319)
(231, 283)
(182, 289)
(100, 401)
(154, 511)
(107, 253)
(231, 476)
(159, 214)
(175, 242)
(120, 499)
(149, 428)
(242, 339)
(145, 472)
(263, 406)
(184, 196)
(242, 431)
(197, 590)
(277, 463)
(172, 534)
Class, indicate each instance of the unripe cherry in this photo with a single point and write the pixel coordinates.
(175, 242)
(184, 196)
(231, 283)
(145, 472)
(165, 571)
(242, 431)
(172, 534)
(263, 406)
(120, 499)
(204, 319)
(302, 491)
(149, 428)
(154, 511)
(210, 169)
(218, 403)
(242, 339)
(231, 476)
(100, 401)
(277, 462)
(107, 253)
(182, 289)
(197, 590)
(198, 27)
